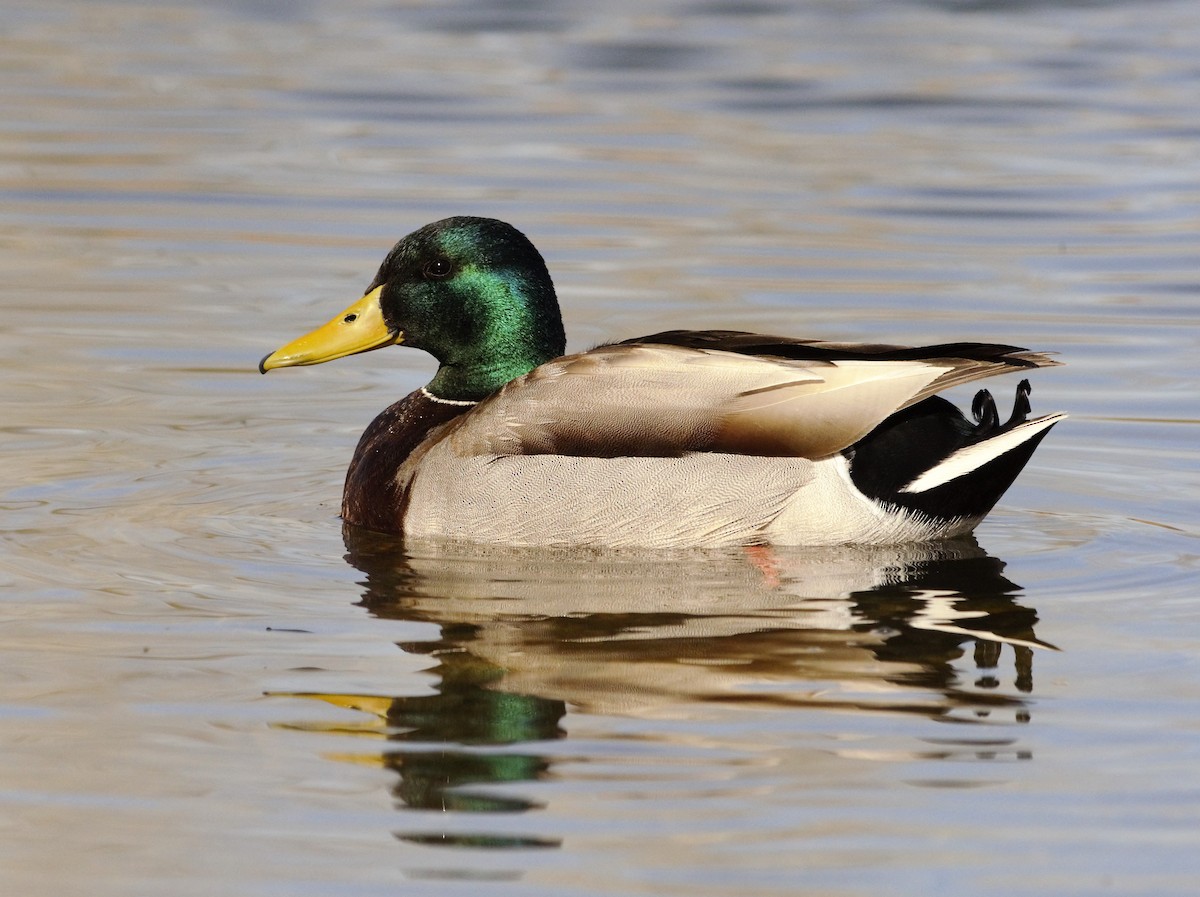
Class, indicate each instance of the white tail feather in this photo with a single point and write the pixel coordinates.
(969, 459)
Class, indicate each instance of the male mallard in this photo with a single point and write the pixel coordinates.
(678, 439)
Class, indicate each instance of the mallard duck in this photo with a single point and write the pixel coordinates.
(683, 438)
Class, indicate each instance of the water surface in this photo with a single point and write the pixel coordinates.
(210, 688)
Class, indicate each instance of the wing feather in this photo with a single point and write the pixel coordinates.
(665, 400)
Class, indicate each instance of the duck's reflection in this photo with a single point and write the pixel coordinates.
(524, 635)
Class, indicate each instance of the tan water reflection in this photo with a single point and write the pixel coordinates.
(527, 636)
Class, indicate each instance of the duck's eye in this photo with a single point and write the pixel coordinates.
(438, 269)
(349, 319)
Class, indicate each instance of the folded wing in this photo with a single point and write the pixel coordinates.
(717, 391)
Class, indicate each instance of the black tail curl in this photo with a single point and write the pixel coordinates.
(918, 438)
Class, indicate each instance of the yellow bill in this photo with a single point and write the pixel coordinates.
(360, 328)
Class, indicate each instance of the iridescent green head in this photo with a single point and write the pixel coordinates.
(472, 292)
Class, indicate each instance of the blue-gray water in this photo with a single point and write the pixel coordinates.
(205, 690)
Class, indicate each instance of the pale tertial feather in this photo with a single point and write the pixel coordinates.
(650, 400)
(815, 419)
(965, 370)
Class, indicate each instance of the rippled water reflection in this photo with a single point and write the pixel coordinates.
(932, 631)
(208, 688)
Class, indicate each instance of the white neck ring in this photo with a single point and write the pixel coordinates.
(425, 392)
